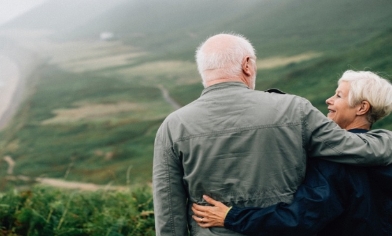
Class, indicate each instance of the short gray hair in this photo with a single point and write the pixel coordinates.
(230, 58)
(368, 86)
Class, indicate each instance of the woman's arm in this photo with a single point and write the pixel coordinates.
(319, 200)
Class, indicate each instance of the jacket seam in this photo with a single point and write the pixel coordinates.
(304, 125)
(172, 226)
(237, 130)
(167, 151)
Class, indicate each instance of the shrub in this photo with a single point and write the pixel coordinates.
(50, 211)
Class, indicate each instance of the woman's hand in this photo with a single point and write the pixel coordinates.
(210, 216)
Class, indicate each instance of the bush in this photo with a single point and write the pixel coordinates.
(50, 211)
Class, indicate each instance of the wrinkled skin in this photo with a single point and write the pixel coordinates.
(210, 216)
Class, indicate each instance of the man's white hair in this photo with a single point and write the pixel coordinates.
(229, 59)
(368, 86)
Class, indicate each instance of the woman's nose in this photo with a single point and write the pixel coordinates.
(329, 101)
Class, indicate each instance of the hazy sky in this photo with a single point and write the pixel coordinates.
(10, 9)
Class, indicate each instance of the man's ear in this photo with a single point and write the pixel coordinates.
(363, 108)
(246, 68)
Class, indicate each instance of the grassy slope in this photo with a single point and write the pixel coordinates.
(83, 145)
(78, 150)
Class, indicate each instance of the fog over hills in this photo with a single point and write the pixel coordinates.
(58, 15)
(175, 25)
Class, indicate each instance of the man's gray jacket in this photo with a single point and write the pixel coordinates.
(245, 148)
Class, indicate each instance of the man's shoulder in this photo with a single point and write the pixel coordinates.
(181, 112)
(279, 94)
(274, 90)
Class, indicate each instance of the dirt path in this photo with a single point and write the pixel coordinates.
(169, 99)
(77, 185)
(59, 183)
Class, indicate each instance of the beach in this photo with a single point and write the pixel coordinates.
(10, 81)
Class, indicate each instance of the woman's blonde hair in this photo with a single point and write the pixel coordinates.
(368, 86)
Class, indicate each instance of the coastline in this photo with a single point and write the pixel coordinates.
(10, 89)
(18, 65)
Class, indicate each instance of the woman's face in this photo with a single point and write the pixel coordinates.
(338, 107)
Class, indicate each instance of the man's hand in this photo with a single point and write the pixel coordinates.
(210, 216)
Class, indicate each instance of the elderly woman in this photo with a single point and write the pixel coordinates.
(334, 199)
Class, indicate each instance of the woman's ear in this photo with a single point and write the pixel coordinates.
(363, 108)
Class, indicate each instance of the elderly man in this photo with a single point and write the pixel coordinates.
(243, 147)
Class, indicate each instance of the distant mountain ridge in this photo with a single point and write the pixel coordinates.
(173, 25)
(61, 16)
(177, 26)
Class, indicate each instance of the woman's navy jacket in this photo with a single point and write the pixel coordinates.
(334, 199)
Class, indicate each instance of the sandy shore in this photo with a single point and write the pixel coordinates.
(10, 79)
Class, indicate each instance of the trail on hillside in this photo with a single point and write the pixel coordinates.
(170, 100)
(59, 183)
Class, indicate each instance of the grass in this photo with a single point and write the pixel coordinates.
(49, 211)
(99, 149)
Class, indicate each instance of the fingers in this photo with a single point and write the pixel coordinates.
(199, 221)
(197, 211)
(202, 222)
(200, 215)
(213, 202)
(209, 216)
(210, 200)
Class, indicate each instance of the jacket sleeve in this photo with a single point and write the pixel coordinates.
(323, 138)
(168, 191)
(318, 201)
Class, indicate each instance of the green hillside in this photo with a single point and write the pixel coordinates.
(94, 107)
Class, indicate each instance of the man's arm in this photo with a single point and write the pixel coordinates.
(170, 209)
(323, 138)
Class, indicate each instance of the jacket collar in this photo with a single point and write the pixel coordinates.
(223, 85)
(358, 131)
